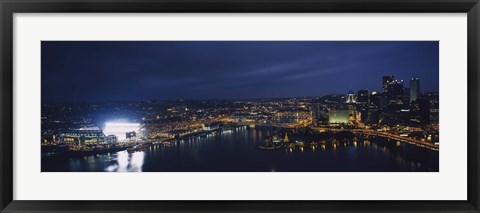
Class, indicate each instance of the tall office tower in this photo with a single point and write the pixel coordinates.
(363, 96)
(414, 89)
(386, 80)
(395, 95)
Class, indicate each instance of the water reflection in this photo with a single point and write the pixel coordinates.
(237, 151)
(126, 162)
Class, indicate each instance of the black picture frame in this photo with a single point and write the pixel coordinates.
(9, 7)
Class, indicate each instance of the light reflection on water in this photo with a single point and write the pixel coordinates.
(237, 151)
(126, 162)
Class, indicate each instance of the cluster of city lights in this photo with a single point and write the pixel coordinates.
(120, 128)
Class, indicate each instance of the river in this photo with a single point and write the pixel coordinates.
(237, 151)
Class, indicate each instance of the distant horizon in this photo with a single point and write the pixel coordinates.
(242, 99)
(95, 71)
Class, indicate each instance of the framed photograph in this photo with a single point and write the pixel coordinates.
(252, 106)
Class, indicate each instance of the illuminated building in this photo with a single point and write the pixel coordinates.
(356, 118)
(286, 140)
(142, 132)
(339, 117)
(130, 135)
(120, 129)
(82, 137)
(386, 80)
(211, 126)
(414, 89)
(90, 127)
(350, 98)
(111, 139)
(394, 95)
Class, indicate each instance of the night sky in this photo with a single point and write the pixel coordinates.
(90, 71)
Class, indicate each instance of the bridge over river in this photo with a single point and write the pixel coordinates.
(399, 138)
(395, 137)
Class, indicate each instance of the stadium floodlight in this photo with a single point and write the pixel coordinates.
(120, 128)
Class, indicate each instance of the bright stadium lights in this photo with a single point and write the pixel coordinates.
(120, 129)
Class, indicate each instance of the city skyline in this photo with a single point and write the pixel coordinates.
(230, 70)
(240, 106)
(242, 99)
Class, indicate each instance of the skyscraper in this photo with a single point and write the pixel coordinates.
(363, 96)
(386, 81)
(414, 89)
(395, 95)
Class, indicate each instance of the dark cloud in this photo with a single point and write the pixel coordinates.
(84, 71)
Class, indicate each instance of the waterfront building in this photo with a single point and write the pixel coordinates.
(414, 89)
(82, 137)
(211, 126)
